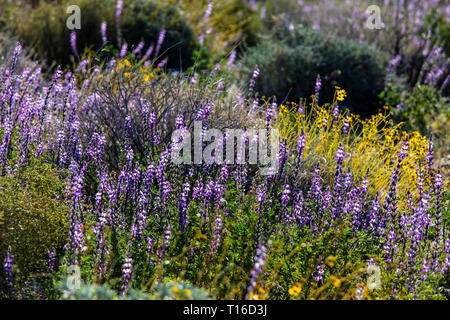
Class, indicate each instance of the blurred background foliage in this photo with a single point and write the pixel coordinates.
(35, 217)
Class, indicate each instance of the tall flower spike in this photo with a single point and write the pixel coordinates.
(317, 88)
(119, 7)
(260, 261)
(103, 26)
(255, 76)
(7, 267)
(73, 43)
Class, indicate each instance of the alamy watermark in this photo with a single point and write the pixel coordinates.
(74, 20)
(374, 20)
(233, 146)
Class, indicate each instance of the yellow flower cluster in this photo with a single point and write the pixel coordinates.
(127, 68)
(371, 145)
(295, 290)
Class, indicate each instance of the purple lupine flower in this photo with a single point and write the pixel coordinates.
(220, 87)
(204, 112)
(345, 127)
(119, 7)
(437, 191)
(335, 112)
(301, 108)
(317, 88)
(340, 155)
(318, 274)
(148, 53)
(197, 191)
(444, 84)
(316, 188)
(262, 13)
(215, 70)
(103, 26)
(298, 208)
(285, 197)
(123, 50)
(283, 155)
(161, 37)
(183, 204)
(150, 243)
(429, 155)
(359, 292)
(73, 42)
(164, 244)
(179, 121)
(426, 268)
(217, 234)
(206, 15)
(432, 54)
(255, 105)
(17, 51)
(138, 48)
(393, 63)
(291, 28)
(270, 112)
(231, 58)
(7, 267)
(260, 261)
(127, 268)
(255, 76)
(391, 203)
(51, 260)
(162, 63)
(372, 217)
(193, 81)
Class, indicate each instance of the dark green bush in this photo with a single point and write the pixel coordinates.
(144, 19)
(45, 28)
(35, 218)
(290, 62)
(423, 109)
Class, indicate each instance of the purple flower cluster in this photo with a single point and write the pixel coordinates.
(8, 267)
(260, 261)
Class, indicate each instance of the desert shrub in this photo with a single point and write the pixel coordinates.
(423, 110)
(111, 98)
(35, 218)
(232, 23)
(45, 28)
(290, 63)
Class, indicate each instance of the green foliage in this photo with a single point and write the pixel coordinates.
(35, 218)
(45, 28)
(419, 109)
(233, 23)
(289, 68)
(144, 19)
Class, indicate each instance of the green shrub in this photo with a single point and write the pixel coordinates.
(232, 22)
(45, 28)
(418, 109)
(144, 19)
(423, 110)
(290, 62)
(35, 218)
